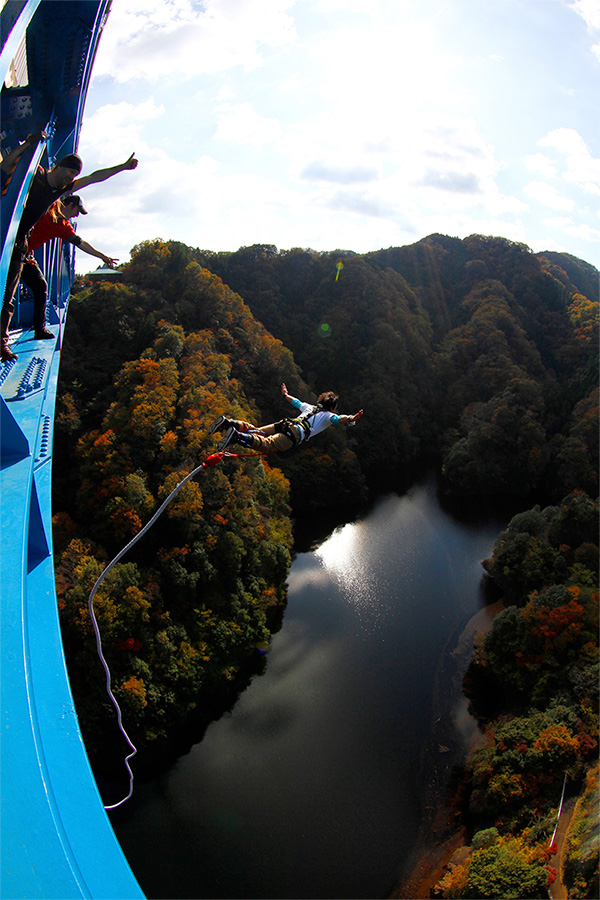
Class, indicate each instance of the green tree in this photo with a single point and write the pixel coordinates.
(508, 868)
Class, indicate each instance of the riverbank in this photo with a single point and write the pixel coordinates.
(454, 735)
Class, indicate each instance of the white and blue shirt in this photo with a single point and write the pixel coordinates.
(318, 421)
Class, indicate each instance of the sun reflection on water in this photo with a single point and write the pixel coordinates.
(338, 550)
(346, 558)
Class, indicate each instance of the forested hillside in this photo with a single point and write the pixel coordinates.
(476, 354)
(474, 357)
(143, 375)
(534, 687)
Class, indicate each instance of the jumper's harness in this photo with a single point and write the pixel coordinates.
(286, 426)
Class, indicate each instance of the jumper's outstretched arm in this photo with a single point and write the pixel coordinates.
(350, 420)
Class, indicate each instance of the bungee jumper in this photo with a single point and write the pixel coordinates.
(287, 433)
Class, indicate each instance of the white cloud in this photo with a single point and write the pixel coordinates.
(566, 140)
(373, 9)
(579, 166)
(457, 182)
(581, 231)
(444, 165)
(175, 39)
(547, 195)
(537, 162)
(240, 123)
(317, 170)
(161, 197)
(115, 129)
(589, 10)
(363, 203)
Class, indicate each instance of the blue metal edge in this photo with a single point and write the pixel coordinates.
(57, 840)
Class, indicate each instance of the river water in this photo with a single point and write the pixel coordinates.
(312, 786)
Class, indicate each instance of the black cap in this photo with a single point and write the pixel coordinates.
(76, 199)
(71, 161)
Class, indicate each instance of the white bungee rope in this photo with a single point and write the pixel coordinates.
(210, 461)
(562, 797)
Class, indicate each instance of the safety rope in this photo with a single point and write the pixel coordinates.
(562, 797)
(211, 460)
(250, 455)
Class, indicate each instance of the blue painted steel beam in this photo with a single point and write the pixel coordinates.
(57, 841)
(56, 838)
(14, 19)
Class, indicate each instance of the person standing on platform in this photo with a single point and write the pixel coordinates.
(55, 224)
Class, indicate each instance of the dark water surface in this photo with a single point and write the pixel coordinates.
(310, 787)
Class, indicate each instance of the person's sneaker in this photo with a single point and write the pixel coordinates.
(42, 334)
(219, 424)
(7, 354)
(228, 439)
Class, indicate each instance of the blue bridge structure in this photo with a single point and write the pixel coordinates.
(56, 838)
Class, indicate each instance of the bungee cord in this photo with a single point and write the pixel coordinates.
(562, 797)
(211, 460)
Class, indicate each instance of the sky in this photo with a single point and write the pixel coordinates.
(345, 124)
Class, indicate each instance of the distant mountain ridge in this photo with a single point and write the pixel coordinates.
(418, 334)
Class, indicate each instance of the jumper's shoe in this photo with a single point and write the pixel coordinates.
(230, 438)
(7, 354)
(220, 424)
(42, 334)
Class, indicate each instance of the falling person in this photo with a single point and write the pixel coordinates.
(287, 433)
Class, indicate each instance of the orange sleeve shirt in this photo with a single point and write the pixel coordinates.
(47, 228)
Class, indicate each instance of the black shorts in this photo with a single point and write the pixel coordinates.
(287, 427)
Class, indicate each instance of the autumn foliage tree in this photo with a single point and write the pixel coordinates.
(202, 590)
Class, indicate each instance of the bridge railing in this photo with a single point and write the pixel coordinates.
(56, 838)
